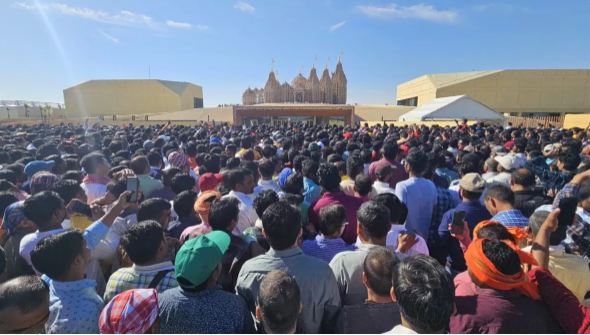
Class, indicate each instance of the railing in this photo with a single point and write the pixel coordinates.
(535, 121)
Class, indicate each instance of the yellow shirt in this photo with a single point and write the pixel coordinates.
(571, 270)
(80, 221)
(257, 156)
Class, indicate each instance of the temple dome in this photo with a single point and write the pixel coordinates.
(299, 81)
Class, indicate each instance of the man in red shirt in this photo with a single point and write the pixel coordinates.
(388, 153)
(329, 179)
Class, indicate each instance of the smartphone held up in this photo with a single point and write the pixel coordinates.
(132, 186)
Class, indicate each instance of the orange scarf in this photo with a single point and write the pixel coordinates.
(485, 271)
(519, 234)
(203, 207)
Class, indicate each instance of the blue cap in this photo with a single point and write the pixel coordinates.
(216, 140)
(148, 145)
(36, 166)
(284, 175)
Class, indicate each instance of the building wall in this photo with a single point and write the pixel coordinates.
(511, 91)
(421, 87)
(576, 120)
(20, 112)
(225, 114)
(379, 112)
(219, 114)
(120, 97)
(187, 97)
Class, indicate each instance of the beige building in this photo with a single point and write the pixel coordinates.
(327, 90)
(513, 92)
(281, 112)
(128, 97)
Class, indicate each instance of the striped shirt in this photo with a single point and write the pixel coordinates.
(325, 248)
(139, 276)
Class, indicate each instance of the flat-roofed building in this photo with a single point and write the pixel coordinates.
(131, 97)
(512, 92)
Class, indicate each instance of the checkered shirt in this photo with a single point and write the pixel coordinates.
(137, 276)
(131, 312)
(578, 234)
(511, 218)
(444, 202)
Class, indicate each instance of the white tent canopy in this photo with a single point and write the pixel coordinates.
(455, 107)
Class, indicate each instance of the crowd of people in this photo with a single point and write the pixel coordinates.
(294, 229)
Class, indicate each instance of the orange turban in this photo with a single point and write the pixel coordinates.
(485, 271)
(202, 207)
(518, 233)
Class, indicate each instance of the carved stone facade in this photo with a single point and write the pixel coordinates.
(301, 90)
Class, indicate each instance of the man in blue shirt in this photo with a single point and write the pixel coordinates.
(443, 171)
(444, 247)
(311, 189)
(74, 305)
(328, 243)
(418, 193)
(499, 200)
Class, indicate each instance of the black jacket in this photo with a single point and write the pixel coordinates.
(529, 200)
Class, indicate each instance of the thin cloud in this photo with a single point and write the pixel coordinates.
(420, 11)
(244, 7)
(202, 27)
(337, 26)
(122, 18)
(178, 24)
(499, 7)
(116, 40)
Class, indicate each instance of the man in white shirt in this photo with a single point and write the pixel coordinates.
(384, 172)
(241, 182)
(490, 168)
(397, 216)
(506, 164)
(425, 293)
(518, 151)
(267, 169)
(95, 182)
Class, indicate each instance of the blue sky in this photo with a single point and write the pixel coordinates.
(225, 46)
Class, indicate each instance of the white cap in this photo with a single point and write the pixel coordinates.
(507, 162)
(549, 148)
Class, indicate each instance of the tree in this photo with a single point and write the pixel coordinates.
(27, 110)
(8, 111)
(47, 110)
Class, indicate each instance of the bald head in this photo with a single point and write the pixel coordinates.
(523, 177)
(279, 302)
